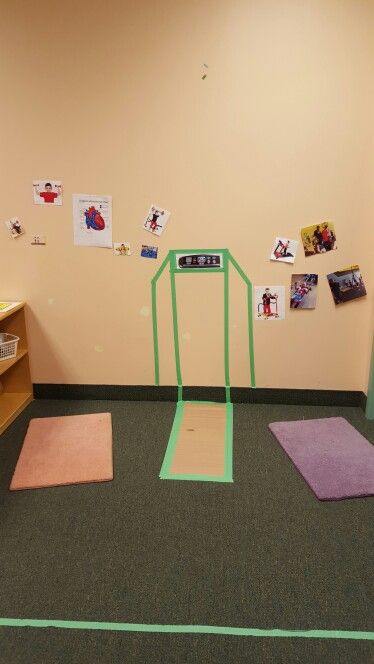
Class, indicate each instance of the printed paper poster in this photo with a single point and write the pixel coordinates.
(284, 250)
(148, 252)
(269, 303)
(121, 249)
(318, 239)
(47, 192)
(346, 284)
(156, 220)
(92, 219)
(15, 227)
(303, 291)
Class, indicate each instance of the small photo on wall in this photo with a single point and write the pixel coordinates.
(37, 240)
(318, 239)
(47, 192)
(346, 284)
(156, 220)
(284, 250)
(15, 227)
(148, 252)
(269, 303)
(303, 291)
(121, 249)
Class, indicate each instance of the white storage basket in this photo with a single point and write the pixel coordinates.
(8, 346)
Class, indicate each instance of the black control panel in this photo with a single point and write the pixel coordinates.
(200, 260)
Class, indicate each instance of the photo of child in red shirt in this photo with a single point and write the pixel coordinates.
(47, 192)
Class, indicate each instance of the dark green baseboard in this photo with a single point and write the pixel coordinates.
(169, 393)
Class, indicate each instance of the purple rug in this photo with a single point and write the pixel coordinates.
(332, 456)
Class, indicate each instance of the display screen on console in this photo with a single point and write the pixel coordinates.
(199, 261)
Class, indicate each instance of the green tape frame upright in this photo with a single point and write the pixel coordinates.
(250, 317)
(155, 334)
(175, 328)
(154, 318)
(226, 323)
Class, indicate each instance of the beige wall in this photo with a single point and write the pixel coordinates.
(108, 97)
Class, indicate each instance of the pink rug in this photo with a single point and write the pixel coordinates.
(65, 450)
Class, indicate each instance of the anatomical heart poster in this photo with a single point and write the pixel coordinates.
(92, 219)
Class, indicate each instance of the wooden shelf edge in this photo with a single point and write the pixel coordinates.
(6, 364)
(5, 314)
(11, 405)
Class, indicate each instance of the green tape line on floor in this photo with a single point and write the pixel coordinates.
(187, 629)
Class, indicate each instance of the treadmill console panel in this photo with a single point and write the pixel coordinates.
(199, 261)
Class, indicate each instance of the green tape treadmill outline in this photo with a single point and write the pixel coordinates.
(187, 629)
(166, 474)
(227, 258)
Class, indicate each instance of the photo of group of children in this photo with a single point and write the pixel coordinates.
(318, 239)
(303, 291)
(346, 284)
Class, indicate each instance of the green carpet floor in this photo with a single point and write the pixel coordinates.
(261, 552)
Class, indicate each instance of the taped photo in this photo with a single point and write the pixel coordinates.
(269, 303)
(156, 220)
(148, 252)
(47, 192)
(284, 250)
(121, 249)
(15, 228)
(318, 239)
(303, 293)
(346, 284)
